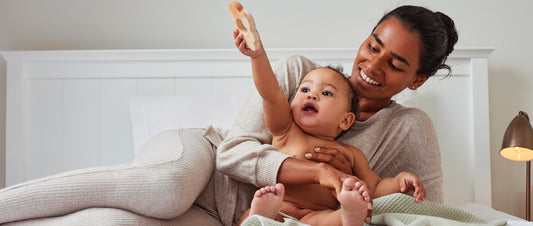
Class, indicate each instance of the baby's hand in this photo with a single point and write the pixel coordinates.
(409, 182)
(241, 45)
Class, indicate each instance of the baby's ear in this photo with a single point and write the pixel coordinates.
(348, 120)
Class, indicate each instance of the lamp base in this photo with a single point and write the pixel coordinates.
(528, 190)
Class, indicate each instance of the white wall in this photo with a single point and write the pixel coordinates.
(178, 24)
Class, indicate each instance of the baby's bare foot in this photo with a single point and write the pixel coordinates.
(354, 205)
(267, 201)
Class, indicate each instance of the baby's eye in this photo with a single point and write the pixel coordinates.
(327, 93)
(304, 90)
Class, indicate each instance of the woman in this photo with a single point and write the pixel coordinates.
(173, 181)
(408, 45)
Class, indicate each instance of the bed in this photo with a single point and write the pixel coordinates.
(75, 109)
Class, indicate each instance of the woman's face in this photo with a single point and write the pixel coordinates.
(387, 62)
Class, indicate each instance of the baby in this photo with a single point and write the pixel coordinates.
(320, 111)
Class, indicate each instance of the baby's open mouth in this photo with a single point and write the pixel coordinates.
(310, 107)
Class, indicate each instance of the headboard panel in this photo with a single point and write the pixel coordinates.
(70, 109)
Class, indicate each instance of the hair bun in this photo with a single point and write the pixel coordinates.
(451, 32)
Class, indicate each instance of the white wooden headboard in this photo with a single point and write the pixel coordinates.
(70, 109)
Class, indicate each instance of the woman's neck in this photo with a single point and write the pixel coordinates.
(368, 108)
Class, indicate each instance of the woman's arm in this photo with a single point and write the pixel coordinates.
(420, 153)
(296, 171)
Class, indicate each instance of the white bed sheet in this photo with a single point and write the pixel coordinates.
(492, 215)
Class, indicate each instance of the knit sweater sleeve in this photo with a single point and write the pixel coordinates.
(246, 154)
(420, 152)
(400, 139)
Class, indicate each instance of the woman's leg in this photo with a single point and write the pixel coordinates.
(91, 216)
(111, 216)
(156, 189)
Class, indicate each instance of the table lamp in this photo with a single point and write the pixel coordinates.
(517, 145)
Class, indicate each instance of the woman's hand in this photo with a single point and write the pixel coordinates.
(331, 178)
(332, 156)
(241, 45)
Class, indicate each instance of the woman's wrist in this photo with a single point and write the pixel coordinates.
(322, 170)
(296, 171)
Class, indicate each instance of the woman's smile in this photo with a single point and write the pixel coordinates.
(368, 79)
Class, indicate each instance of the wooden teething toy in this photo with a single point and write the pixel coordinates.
(244, 21)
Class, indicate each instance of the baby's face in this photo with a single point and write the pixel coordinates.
(321, 102)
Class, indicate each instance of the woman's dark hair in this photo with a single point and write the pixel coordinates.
(436, 32)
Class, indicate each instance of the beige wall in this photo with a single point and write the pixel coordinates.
(175, 24)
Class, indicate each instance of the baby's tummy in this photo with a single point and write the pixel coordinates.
(311, 196)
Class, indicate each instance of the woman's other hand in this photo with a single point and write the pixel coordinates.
(241, 45)
(332, 156)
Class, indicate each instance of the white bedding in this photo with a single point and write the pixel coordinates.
(492, 215)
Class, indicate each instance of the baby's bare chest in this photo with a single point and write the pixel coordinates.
(298, 145)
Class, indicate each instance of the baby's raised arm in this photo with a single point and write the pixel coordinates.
(278, 116)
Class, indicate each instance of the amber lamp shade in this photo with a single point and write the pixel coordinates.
(517, 145)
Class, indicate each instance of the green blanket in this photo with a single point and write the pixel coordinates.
(400, 209)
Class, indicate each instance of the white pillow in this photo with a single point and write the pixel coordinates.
(151, 115)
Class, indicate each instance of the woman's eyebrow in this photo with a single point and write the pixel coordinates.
(378, 40)
(395, 55)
